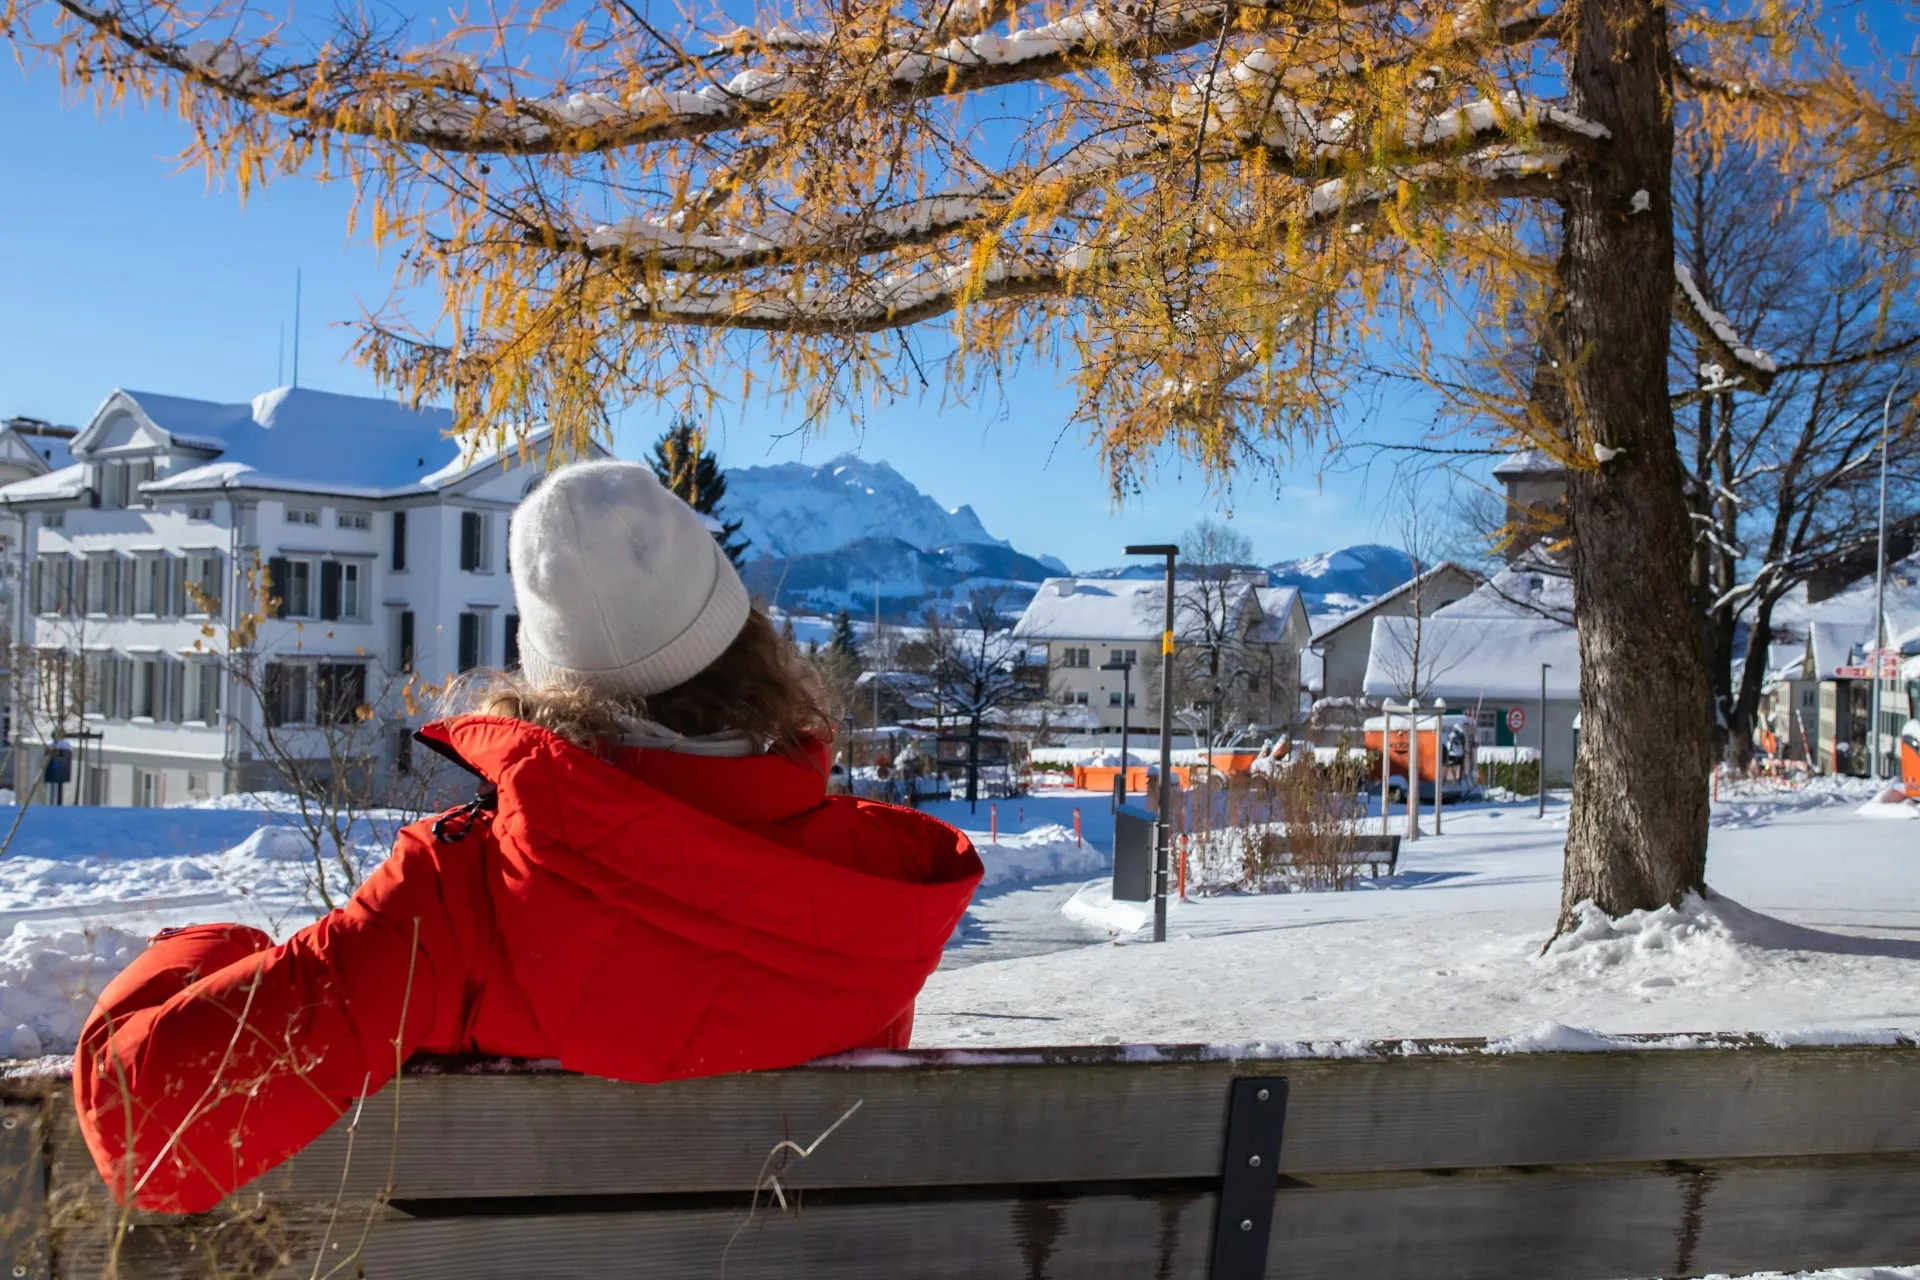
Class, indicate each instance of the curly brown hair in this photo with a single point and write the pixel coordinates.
(758, 687)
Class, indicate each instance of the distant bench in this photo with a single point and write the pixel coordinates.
(1437, 1161)
(1371, 852)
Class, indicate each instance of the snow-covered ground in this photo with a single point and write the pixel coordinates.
(1814, 929)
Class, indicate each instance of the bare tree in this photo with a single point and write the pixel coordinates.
(333, 730)
(1215, 667)
(977, 667)
(1782, 488)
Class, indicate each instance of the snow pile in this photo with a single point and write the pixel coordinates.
(1891, 804)
(1749, 802)
(49, 980)
(1045, 853)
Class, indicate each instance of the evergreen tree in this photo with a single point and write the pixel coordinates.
(844, 644)
(686, 466)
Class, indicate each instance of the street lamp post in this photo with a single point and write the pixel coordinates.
(1125, 669)
(1880, 573)
(1540, 810)
(1163, 829)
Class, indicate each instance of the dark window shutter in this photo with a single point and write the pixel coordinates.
(469, 641)
(399, 541)
(406, 640)
(469, 540)
(510, 649)
(329, 590)
(277, 578)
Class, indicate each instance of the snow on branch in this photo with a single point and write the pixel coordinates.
(915, 294)
(440, 99)
(1734, 363)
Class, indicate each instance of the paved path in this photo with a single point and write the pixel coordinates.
(1018, 922)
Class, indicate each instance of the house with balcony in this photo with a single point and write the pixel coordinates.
(212, 591)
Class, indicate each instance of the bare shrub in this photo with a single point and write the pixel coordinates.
(1322, 817)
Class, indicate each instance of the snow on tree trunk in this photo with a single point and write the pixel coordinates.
(1638, 832)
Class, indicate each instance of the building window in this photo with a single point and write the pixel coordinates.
(1074, 658)
(304, 515)
(150, 589)
(283, 694)
(54, 520)
(472, 641)
(198, 580)
(354, 519)
(341, 592)
(149, 689)
(200, 513)
(96, 790)
(1113, 699)
(403, 641)
(399, 542)
(201, 701)
(1079, 699)
(341, 689)
(291, 583)
(113, 485)
(150, 788)
(1132, 656)
(476, 538)
(51, 584)
(510, 645)
(139, 473)
(403, 752)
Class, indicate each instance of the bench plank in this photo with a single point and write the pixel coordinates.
(1589, 1223)
(931, 1125)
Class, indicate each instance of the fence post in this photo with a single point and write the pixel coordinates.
(993, 824)
(1183, 867)
(1078, 841)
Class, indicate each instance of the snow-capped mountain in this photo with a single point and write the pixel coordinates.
(793, 509)
(1336, 581)
(1331, 583)
(833, 536)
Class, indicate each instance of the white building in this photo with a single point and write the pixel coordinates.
(1486, 656)
(1088, 624)
(212, 587)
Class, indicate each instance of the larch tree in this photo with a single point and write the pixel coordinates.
(1209, 211)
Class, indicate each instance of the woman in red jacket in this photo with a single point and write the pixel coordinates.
(651, 884)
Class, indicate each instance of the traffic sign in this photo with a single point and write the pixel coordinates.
(1517, 719)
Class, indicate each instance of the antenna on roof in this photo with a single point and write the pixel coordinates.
(296, 326)
(280, 368)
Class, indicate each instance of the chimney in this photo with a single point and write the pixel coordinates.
(1064, 587)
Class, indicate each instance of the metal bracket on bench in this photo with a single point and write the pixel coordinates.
(1250, 1178)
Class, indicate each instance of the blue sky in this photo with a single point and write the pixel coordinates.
(117, 271)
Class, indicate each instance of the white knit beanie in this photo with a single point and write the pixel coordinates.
(621, 587)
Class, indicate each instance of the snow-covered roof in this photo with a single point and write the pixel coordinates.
(1530, 462)
(290, 438)
(1277, 606)
(66, 483)
(1444, 568)
(1113, 609)
(1469, 658)
(1519, 591)
(1094, 609)
(1838, 644)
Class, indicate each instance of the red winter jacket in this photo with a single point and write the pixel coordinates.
(647, 919)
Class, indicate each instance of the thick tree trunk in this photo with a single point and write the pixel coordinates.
(1638, 832)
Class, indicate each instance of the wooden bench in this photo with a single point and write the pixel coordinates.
(1437, 1160)
(1371, 852)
